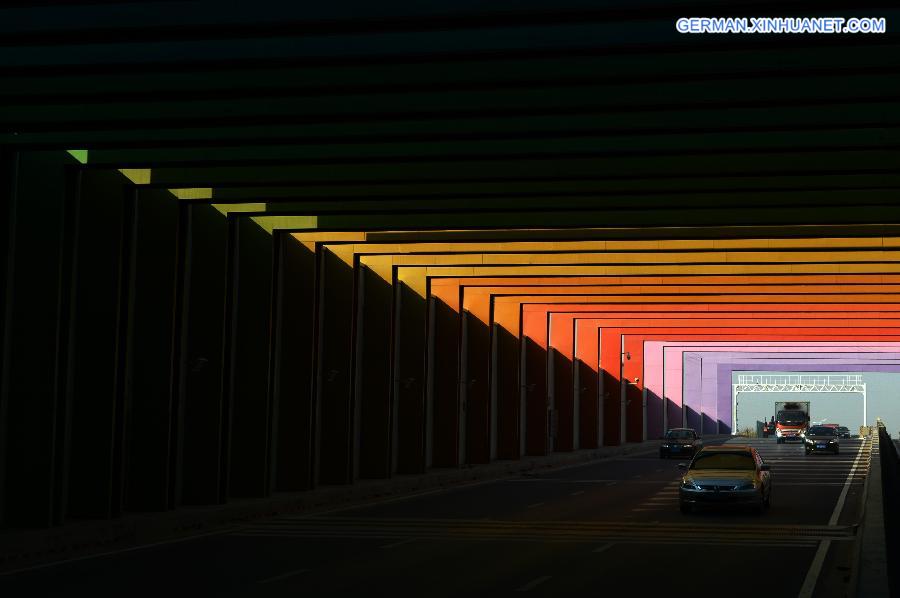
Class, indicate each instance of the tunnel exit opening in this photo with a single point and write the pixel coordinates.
(832, 398)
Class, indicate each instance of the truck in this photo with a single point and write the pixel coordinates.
(791, 420)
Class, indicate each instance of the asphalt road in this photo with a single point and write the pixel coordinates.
(610, 525)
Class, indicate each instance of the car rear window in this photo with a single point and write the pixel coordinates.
(736, 461)
(821, 431)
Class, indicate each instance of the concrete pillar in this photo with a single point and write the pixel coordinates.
(444, 331)
(294, 330)
(96, 339)
(372, 382)
(409, 379)
(534, 382)
(506, 377)
(610, 371)
(476, 368)
(9, 167)
(152, 414)
(333, 370)
(632, 372)
(34, 272)
(247, 350)
(587, 391)
(205, 234)
(562, 341)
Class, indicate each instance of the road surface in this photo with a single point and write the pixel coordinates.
(612, 524)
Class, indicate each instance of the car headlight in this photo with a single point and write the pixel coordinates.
(777, 432)
(689, 485)
(831, 441)
(808, 440)
(689, 446)
(665, 446)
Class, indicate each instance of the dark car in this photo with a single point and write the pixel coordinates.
(680, 442)
(843, 432)
(819, 439)
(728, 474)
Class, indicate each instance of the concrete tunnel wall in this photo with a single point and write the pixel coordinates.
(634, 391)
(274, 395)
(636, 415)
(536, 331)
(480, 306)
(200, 433)
(294, 258)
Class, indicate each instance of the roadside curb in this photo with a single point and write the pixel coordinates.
(30, 548)
(857, 542)
(870, 557)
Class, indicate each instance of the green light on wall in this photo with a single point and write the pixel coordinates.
(268, 223)
(193, 193)
(271, 223)
(81, 155)
(225, 208)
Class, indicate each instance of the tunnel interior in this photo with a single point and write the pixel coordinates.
(260, 253)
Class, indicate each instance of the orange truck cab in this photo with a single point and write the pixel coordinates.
(791, 420)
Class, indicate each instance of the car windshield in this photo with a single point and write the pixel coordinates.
(679, 434)
(792, 417)
(820, 431)
(736, 461)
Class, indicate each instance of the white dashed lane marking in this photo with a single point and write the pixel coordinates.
(284, 576)
(533, 583)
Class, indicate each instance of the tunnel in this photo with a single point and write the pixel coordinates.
(324, 298)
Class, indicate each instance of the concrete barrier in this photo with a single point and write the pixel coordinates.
(873, 564)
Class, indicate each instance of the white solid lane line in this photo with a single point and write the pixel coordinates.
(533, 583)
(780, 484)
(812, 576)
(86, 557)
(400, 543)
(557, 481)
(843, 497)
(284, 576)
